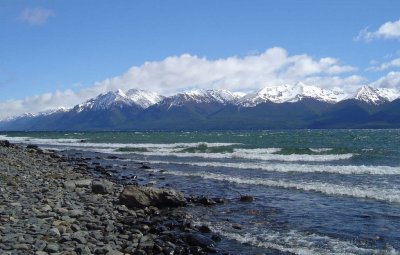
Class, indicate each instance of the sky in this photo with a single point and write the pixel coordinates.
(61, 53)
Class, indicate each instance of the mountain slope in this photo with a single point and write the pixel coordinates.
(290, 93)
(376, 96)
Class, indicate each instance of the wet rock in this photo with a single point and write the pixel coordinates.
(216, 238)
(32, 146)
(195, 239)
(144, 166)
(204, 229)
(135, 196)
(246, 198)
(102, 187)
(5, 143)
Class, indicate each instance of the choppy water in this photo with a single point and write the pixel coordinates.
(316, 192)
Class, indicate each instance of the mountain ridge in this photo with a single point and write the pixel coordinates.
(285, 106)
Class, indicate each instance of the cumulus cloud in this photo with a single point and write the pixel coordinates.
(35, 16)
(389, 30)
(390, 80)
(185, 72)
(391, 64)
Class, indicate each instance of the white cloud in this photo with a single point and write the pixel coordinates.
(386, 65)
(35, 16)
(390, 80)
(179, 73)
(389, 30)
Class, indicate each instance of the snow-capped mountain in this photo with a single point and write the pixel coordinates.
(220, 109)
(119, 99)
(33, 115)
(290, 93)
(376, 96)
(143, 98)
(222, 97)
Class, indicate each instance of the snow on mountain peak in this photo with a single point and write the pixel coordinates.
(118, 98)
(376, 96)
(144, 98)
(200, 96)
(290, 93)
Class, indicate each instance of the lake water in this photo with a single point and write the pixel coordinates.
(316, 192)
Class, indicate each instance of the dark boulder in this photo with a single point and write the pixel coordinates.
(102, 187)
(136, 196)
(195, 239)
(5, 143)
(32, 146)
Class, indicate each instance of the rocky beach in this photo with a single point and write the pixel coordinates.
(55, 204)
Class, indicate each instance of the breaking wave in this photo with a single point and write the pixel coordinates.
(294, 242)
(386, 195)
(373, 170)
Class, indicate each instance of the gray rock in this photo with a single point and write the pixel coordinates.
(21, 246)
(83, 250)
(41, 253)
(75, 213)
(69, 185)
(52, 248)
(136, 196)
(114, 252)
(84, 183)
(75, 227)
(102, 187)
(79, 237)
(46, 208)
(54, 232)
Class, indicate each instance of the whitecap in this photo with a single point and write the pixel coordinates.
(386, 195)
(302, 168)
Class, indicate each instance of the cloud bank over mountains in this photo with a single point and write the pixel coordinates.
(187, 72)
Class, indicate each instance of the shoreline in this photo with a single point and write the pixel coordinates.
(51, 204)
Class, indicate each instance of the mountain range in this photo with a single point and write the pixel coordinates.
(287, 106)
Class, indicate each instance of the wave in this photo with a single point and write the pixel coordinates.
(81, 143)
(373, 170)
(255, 154)
(197, 150)
(386, 195)
(294, 242)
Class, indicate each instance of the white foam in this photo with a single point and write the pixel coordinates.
(174, 149)
(254, 154)
(77, 143)
(301, 168)
(386, 195)
(293, 241)
(319, 150)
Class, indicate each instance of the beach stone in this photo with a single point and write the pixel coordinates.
(79, 237)
(102, 187)
(54, 232)
(52, 248)
(136, 196)
(84, 183)
(41, 253)
(69, 185)
(114, 252)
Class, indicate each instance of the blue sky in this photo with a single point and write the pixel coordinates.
(82, 48)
